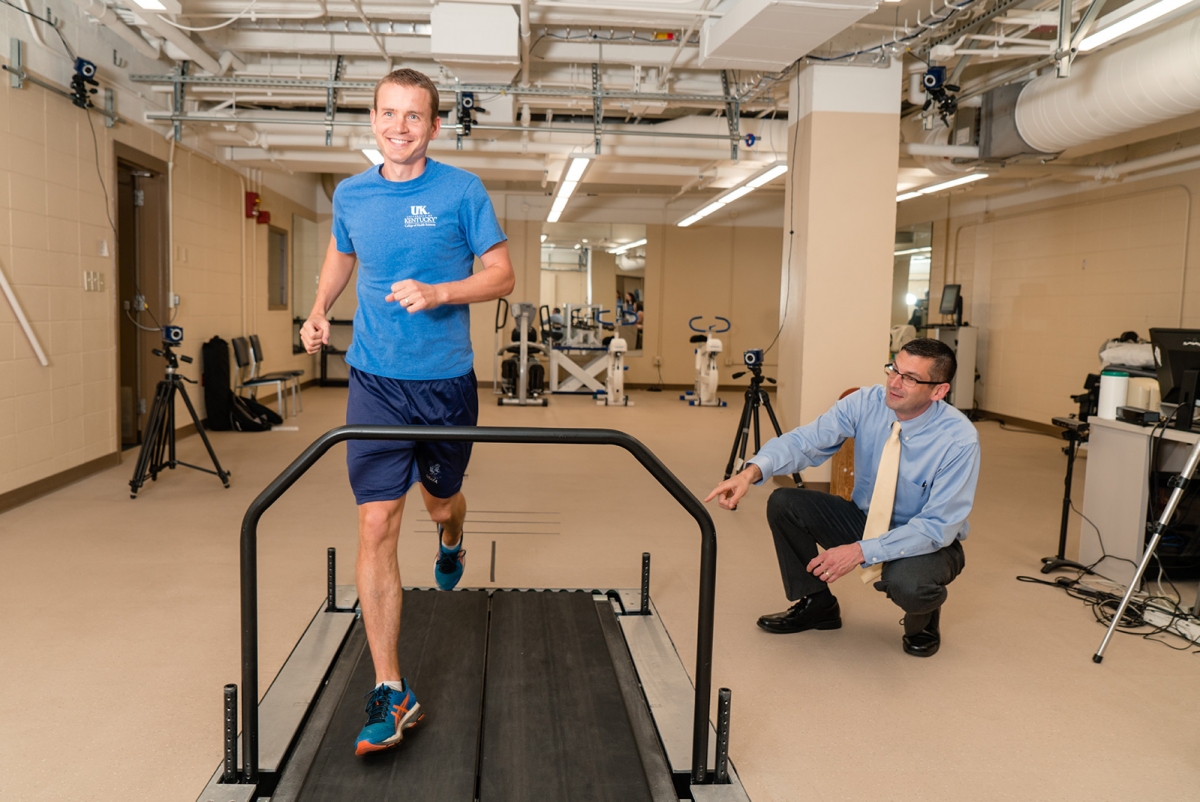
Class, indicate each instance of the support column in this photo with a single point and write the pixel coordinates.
(835, 299)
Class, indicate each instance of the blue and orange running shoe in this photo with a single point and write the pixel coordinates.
(448, 567)
(389, 713)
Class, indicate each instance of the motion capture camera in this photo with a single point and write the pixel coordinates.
(466, 107)
(753, 358)
(172, 335)
(934, 78)
(939, 93)
(85, 76)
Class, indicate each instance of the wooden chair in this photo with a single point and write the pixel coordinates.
(841, 478)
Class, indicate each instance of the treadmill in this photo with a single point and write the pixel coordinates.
(530, 694)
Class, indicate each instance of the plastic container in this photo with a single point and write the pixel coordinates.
(1114, 389)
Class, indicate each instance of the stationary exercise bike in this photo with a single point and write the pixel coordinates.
(614, 375)
(707, 373)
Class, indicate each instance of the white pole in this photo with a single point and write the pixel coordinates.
(20, 313)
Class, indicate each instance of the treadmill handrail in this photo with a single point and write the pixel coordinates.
(476, 434)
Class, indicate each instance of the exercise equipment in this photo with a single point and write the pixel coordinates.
(522, 377)
(582, 333)
(530, 694)
(614, 377)
(707, 373)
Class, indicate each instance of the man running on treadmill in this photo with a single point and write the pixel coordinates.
(415, 227)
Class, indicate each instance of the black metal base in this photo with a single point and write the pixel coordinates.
(158, 440)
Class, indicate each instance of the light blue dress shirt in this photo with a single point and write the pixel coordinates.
(939, 468)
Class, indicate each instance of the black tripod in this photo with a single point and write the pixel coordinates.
(159, 436)
(1075, 432)
(756, 396)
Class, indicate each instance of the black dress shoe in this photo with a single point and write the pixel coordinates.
(926, 642)
(804, 614)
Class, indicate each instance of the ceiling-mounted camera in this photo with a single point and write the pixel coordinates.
(85, 76)
(939, 92)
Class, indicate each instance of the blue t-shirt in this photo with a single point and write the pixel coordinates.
(429, 229)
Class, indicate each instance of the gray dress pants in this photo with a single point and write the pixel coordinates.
(800, 520)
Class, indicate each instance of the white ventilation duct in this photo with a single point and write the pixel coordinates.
(478, 43)
(771, 34)
(1114, 91)
(627, 261)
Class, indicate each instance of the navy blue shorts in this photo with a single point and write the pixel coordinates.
(384, 470)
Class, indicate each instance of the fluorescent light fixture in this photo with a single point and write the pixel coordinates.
(575, 171)
(768, 176)
(168, 6)
(910, 251)
(1132, 22)
(740, 191)
(543, 238)
(567, 186)
(374, 155)
(620, 249)
(957, 182)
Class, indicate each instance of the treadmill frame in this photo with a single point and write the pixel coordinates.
(250, 736)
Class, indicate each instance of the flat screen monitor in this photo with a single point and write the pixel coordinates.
(1175, 351)
(951, 297)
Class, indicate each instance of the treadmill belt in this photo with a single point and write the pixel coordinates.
(521, 702)
(555, 726)
(442, 641)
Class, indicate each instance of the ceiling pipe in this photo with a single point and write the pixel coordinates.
(1116, 171)
(182, 41)
(941, 151)
(1114, 91)
(526, 35)
(104, 15)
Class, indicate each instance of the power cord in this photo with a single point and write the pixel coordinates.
(791, 221)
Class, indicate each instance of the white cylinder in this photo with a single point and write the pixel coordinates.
(1120, 89)
(1114, 387)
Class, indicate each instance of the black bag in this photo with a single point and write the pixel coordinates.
(263, 413)
(244, 418)
(217, 395)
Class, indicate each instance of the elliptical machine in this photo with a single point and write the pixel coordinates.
(522, 377)
(707, 373)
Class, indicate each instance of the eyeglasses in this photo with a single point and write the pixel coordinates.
(907, 379)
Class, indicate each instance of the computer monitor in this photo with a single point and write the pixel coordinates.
(1176, 351)
(952, 302)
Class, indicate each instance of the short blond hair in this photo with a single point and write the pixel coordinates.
(411, 78)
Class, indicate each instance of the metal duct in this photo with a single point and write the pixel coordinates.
(1114, 91)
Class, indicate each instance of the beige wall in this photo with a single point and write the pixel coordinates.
(1048, 281)
(52, 224)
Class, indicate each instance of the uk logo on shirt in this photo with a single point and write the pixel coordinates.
(419, 218)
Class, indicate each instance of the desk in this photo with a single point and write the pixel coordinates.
(1117, 489)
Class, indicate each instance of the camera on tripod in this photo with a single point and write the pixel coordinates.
(172, 335)
(753, 358)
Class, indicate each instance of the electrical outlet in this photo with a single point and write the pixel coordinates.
(657, 361)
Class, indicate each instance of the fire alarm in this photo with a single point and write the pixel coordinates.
(252, 201)
(264, 218)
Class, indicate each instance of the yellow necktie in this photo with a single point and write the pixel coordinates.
(879, 516)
